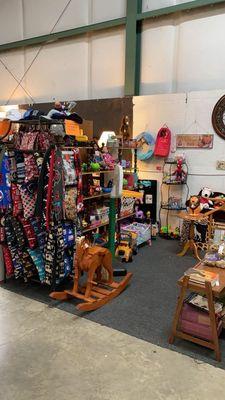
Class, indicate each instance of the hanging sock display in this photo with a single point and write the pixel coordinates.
(5, 196)
(53, 253)
(7, 260)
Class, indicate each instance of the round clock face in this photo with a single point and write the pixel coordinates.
(218, 117)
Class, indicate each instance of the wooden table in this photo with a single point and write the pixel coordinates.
(193, 218)
(211, 293)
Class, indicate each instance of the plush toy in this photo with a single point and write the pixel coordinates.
(95, 166)
(84, 167)
(139, 214)
(107, 158)
(179, 173)
(215, 257)
(205, 195)
(194, 205)
(97, 155)
(218, 199)
(125, 128)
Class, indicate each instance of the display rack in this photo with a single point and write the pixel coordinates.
(165, 204)
(102, 175)
(115, 218)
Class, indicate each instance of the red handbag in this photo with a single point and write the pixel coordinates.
(163, 141)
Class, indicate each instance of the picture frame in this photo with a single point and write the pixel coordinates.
(194, 141)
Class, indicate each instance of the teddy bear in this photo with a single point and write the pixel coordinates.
(215, 257)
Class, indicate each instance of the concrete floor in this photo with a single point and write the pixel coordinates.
(47, 354)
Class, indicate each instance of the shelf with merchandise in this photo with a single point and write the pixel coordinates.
(174, 175)
(97, 172)
(167, 207)
(96, 196)
(96, 226)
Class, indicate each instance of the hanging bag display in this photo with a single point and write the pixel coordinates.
(163, 141)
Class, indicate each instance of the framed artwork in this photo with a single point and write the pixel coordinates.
(194, 141)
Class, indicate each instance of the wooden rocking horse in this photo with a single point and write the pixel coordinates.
(95, 261)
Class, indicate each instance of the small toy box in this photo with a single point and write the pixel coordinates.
(102, 214)
(143, 231)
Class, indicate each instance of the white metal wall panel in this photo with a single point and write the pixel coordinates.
(149, 5)
(11, 21)
(108, 63)
(201, 60)
(40, 16)
(157, 59)
(60, 71)
(183, 54)
(103, 10)
(14, 61)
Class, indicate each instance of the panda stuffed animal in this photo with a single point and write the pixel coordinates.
(205, 195)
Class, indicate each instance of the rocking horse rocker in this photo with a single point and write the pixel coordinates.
(97, 291)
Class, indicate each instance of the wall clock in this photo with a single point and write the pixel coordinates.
(218, 117)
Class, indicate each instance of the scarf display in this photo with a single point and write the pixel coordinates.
(5, 197)
(41, 200)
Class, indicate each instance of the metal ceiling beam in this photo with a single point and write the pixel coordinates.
(189, 5)
(133, 48)
(37, 40)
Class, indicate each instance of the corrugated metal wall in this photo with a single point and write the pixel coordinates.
(179, 53)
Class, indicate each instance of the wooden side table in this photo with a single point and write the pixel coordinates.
(192, 218)
(190, 244)
(211, 293)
